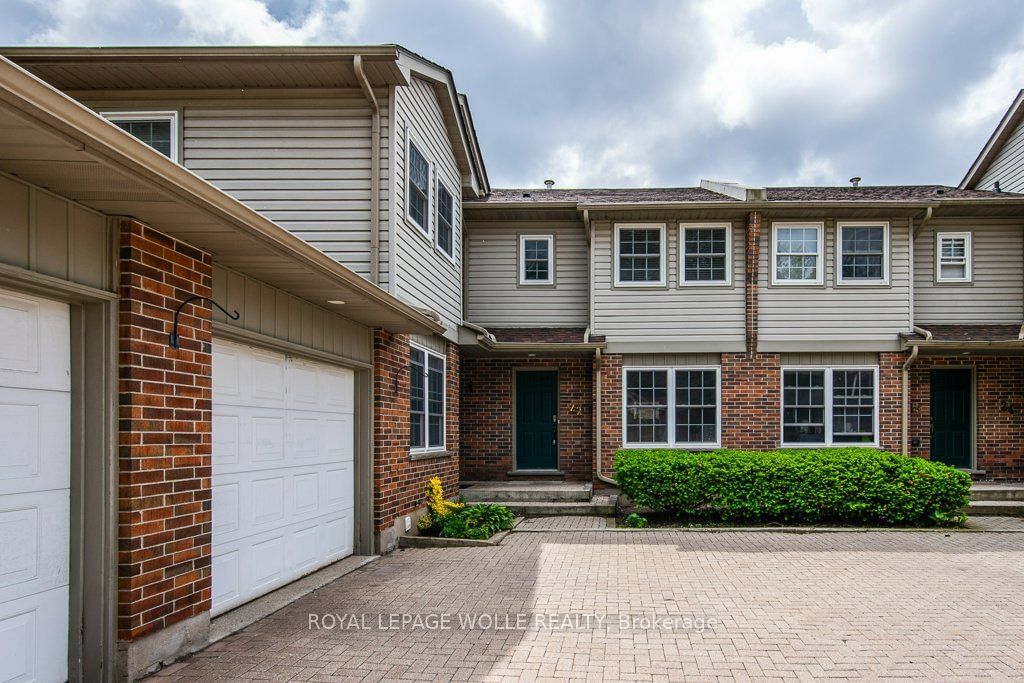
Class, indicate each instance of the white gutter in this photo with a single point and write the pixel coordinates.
(364, 83)
(479, 329)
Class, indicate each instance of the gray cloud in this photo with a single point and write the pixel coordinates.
(655, 92)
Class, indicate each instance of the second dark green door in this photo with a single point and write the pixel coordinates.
(951, 416)
(536, 420)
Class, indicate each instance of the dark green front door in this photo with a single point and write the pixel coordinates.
(536, 420)
(951, 416)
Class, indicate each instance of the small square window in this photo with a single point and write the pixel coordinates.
(863, 253)
(158, 129)
(953, 257)
(796, 252)
(705, 254)
(536, 260)
(640, 255)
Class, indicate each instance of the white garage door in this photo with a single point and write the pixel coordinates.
(35, 480)
(282, 470)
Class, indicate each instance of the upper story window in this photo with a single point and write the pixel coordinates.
(536, 260)
(671, 406)
(445, 220)
(797, 254)
(827, 406)
(953, 257)
(639, 255)
(426, 399)
(705, 254)
(418, 188)
(863, 254)
(158, 129)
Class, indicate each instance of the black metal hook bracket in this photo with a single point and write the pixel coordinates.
(175, 340)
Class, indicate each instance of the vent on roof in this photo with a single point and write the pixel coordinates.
(526, 195)
(996, 187)
(855, 181)
(549, 183)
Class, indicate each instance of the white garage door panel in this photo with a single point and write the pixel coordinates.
(35, 475)
(283, 448)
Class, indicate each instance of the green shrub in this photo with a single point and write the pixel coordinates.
(478, 521)
(836, 485)
(635, 521)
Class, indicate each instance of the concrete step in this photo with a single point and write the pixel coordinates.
(506, 492)
(1003, 508)
(994, 491)
(599, 505)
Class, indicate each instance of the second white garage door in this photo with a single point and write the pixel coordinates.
(283, 447)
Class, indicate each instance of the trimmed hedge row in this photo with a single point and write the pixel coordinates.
(834, 485)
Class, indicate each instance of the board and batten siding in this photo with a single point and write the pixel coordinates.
(494, 296)
(996, 290)
(274, 313)
(303, 164)
(47, 234)
(424, 275)
(686, 318)
(1008, 166)
(831, 317)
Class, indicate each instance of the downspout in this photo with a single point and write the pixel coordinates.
(479, 329)
(597, 422)
(906, 389)
(364, 83)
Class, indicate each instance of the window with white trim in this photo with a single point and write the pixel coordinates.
(953, 257)
(705, 254)
(829, 406)
(671, 406)
(797, 253)
(418, 188)
(158, 129)
(863, 253)
(639, 255)
(426, 399)
(536, 260)
(445, 220)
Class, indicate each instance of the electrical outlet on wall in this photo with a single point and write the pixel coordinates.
(408, 523)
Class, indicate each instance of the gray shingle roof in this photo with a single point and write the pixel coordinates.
(645, 195)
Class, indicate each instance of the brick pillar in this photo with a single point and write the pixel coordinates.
(753, 262)
(750, 400)
(399, 478)
(164, 453)
(890, 400)
(611, 411)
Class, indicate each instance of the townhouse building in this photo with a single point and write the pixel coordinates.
(256, 297)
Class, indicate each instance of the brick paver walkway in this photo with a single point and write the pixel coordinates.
(562, 523)
(740, 605)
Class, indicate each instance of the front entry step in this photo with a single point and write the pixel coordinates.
(526, 492)
(601, 505)
(1001, 508)
(996, 499)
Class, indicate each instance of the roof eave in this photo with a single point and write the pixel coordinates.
(991, 148)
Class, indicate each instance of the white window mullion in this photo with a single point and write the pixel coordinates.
(671, 435)
(828, 407)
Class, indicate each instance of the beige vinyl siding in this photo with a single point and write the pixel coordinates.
(707, 316)
(833, 317)
(50, 235)
(425, 276)
(1008, 165)
(996, 290)
(830, 359)
(303, 164)
(677, 360)
(274, 313)
(493, 293)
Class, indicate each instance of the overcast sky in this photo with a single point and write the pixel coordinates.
(646, 93)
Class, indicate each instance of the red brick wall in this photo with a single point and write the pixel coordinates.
(751, 395)
(164, 442)
(487, 415)
(999, 396)
(611, 411)
(399, 481)
(890, 401)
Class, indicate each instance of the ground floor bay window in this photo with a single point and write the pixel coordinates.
(829, 406)
(677, 407)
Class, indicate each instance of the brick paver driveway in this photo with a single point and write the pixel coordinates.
(864, 605)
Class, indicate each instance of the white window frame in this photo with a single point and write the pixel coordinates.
(412, 140)
(671, 408)
(150, 115)
(437, 220)
(619, 227)
(550, 239)
(820, 227)
(729, 246)
(828, 370)
(840, 280)
(968, 256)
(427, 448)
